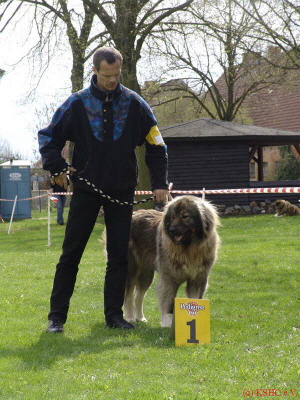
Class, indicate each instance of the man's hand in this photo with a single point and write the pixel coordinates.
(162, 195)
(62, 180)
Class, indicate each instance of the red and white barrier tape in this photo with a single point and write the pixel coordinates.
(27, 198)
(61, 194)
(232, 191)
(285, 190)
(240, 191)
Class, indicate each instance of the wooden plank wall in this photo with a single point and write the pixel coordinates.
(213, 165)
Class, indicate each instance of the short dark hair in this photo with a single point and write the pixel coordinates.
(108, 54)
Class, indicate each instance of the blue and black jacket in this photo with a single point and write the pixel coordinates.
(105, 128)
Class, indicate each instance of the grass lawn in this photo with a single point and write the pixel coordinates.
(255, 328)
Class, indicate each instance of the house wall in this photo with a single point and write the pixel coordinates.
(196, 165)
(271, 156)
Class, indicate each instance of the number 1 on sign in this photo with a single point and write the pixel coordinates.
(191, 321)
(192, 325)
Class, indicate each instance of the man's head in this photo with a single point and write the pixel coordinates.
(107, 67)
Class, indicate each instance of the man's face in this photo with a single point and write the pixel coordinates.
(108, 75)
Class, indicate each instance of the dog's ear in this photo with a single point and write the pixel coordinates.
(167, 219)
(210, 220)
(209, 217)
(199, 230)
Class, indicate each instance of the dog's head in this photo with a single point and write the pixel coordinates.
(280, 205)
(189, 218)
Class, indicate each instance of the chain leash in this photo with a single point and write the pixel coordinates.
(121, 203)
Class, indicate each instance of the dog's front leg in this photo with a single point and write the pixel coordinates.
(196, 289)
(166, 292)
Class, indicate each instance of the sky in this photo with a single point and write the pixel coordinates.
(18, 120)
(15, 119)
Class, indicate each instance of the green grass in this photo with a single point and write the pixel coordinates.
(254, 294)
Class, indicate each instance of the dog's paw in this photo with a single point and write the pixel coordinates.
(129, 318)
(143, 319)
(166, 320)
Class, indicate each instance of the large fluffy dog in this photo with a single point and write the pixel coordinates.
(284, 207)
(180, 244)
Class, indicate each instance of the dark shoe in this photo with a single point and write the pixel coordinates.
(119, 322)
(55, 326)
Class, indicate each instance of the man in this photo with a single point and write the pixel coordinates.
(105, 122)
(61, 201)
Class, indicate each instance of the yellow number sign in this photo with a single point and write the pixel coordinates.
(192, 321)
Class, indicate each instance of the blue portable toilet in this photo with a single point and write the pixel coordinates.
(15, 181)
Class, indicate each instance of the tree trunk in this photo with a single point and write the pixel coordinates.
(129, 79)
(77, 72)
(77, 84)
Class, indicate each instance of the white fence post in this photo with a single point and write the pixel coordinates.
(12, 215)
(49, 216)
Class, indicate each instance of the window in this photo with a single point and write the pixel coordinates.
(252, 170)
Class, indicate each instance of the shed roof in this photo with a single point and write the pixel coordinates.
(212, 129)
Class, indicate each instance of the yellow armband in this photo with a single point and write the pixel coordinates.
(154, 137)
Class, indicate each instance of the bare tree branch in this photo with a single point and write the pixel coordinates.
(280, 22)
(5, 10)
(103, 15)
(220, 35)
(145, 32)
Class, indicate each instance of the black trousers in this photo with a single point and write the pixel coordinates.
(84, 209)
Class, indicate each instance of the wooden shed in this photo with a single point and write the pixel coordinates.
(214, 154)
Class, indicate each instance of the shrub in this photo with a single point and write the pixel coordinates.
(288, 168)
